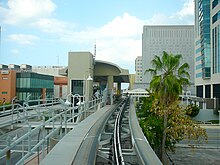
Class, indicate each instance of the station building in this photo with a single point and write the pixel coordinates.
(84, 71)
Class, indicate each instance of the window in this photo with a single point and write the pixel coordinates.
(4, 93)
(77, 87)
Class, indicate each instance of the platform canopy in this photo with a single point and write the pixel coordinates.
(103, 69)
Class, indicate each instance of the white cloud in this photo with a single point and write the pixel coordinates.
(118, 41)
(187, 9)
(20, 11)
(122, 26)
(184, 16)
(15, 51)
(54, 26)
(23, 39)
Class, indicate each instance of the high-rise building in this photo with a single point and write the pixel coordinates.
(138, 69)
(207, 48)
(175, 39)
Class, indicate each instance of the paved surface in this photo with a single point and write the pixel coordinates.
(206, 154)
(188, 156)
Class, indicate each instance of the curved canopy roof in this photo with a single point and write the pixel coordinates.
(103, 69)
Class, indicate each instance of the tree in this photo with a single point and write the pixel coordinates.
(167, 82)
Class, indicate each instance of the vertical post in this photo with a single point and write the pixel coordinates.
(22, 148)
(29, 138)
(4, 106)
(65, 119)
(12, 114)
(8, 153)
(61, 126)
(73, 114)
(53, 120)
(43, 137)
(203, 91)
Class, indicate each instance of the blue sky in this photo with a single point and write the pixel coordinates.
(42, 32)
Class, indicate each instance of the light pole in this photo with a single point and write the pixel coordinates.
(87, 93)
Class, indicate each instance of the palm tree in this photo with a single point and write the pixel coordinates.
(167, 83)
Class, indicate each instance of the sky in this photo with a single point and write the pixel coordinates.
(42, 32)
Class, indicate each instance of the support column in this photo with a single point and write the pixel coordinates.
(110, 82)
(211, 90)
(203, 94)
(110, 90)
(119, 88)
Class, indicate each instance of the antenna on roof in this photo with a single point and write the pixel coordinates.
(95, 49)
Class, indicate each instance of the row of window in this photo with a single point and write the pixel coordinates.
(215, 3)
(199, 58)
(216, 49)
(169, 33)
(216, 17)
(198, 66)
(34, 83)
(198, 75)
(198, 50)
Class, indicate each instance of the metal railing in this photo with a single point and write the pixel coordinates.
(69, 114)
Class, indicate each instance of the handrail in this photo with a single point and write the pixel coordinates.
(63, 116)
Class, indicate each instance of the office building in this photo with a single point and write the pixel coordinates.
(20, 81)
(60, 82)
(207, 48)
(175, 39)
(38, 86)
(138, 69)
(8, 85)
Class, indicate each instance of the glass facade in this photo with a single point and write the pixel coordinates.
(204, 26)
(33, 83)
(216, 49)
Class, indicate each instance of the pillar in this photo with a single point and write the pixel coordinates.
(203, 91)
(110, 82)
(211, 89)
(110, 90)
(119, 88)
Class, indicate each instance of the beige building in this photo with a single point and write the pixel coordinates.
(132, 78)
(83, 70)
(138, 69)
(175, 39)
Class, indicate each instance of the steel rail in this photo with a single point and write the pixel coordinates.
(118, 156)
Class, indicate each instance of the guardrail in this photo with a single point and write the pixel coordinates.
(144, 151)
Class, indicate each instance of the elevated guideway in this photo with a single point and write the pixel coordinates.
(80, 144)
(91, 141)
